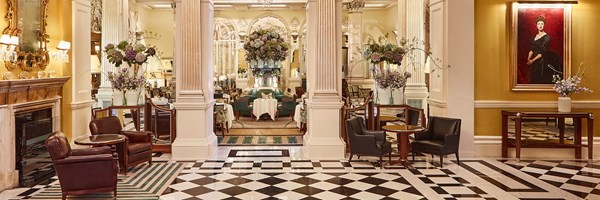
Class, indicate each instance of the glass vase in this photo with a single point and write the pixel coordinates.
(391, 96)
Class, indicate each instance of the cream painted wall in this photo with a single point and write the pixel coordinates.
(161, 22)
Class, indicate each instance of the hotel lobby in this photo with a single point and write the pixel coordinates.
(311, 99)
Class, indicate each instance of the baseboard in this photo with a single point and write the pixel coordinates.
(491, 146)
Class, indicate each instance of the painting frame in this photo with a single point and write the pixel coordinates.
(517, 76)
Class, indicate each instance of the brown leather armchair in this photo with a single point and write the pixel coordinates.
(74, 165)
(135, 150)
(442, 137)
(364, 142)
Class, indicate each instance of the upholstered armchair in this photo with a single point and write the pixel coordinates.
(242, 108)
(73, 167)
(220, 119)
(136, 149)
(288, 107)
(364, 142)
(441, 137)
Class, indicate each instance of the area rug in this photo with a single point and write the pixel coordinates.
(282, 122)
(263, 132)
(141, 182)
(260, 140)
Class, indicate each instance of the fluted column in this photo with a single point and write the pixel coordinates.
(115, 22)
(415, 93)
(355, 14)
(193, 61)
(323, 141)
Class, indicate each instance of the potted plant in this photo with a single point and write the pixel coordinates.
(565, 88)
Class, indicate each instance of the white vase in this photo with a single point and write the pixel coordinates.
(117, 98)
(564, 104)
(132, 97)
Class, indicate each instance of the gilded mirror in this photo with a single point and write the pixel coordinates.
(27, 20)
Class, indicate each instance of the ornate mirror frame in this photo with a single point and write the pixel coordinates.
(28, 60)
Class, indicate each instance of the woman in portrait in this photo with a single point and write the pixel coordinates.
(543, 62)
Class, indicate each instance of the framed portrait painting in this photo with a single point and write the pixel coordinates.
(540, 45)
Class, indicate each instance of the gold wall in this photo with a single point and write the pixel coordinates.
(59, 28)
(492, 59)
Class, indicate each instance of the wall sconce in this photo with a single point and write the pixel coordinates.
(62, 54)
(295, 36)
(9, 44)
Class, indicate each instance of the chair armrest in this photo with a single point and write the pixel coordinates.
(423, 135)
(451, 143)
(91, 151)
(364, 144)
(379, 135)
(88, 158)
(138, 136)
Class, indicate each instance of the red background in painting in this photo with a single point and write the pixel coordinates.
(527, 30)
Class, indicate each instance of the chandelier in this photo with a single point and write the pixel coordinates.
(265, 3)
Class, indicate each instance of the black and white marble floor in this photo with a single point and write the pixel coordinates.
(282, 173)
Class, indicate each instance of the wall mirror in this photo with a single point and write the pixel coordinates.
(27, 20)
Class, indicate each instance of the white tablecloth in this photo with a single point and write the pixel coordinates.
(297, 113)
(230, 116)
(262, 106)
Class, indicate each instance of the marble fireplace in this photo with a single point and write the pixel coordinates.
(35, 106)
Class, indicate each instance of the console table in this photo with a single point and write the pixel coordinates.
(577, 118)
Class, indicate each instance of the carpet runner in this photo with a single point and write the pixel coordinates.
(260, 140)
(141, 182)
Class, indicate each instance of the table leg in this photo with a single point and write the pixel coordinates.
(561, 129)
(403, 146)
(518, 137)
(504, 136)
(590, 135)
(577, 123)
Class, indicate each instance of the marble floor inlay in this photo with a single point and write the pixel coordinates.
(282, 173)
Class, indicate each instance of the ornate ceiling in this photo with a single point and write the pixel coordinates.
(254, 4)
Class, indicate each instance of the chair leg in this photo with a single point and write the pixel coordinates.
(457, 159)
(350, 157)
(441, 160)
(381, 161)
(390, 157)
(358, 156)
(115, 192)
(64, 196)
(413, 155)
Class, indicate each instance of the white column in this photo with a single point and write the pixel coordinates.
(81, 102)
(323, 141)
(452, 38)
(115, 29)
(355, 13)
(193, 61)
(415, 93)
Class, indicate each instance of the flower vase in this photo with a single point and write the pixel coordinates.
(391, 97)
(564, 104)
(118, 98)
(131, 97)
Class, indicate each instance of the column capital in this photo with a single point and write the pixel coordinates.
(354, 6)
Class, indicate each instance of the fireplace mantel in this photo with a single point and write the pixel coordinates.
(16, 96)
(28, 90)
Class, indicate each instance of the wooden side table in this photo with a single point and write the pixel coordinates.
(111, 140)
(402, 132)
(577, 144)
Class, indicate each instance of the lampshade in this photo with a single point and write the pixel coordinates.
(95, 64)
(14, 40)
(64, 45)
(165, 65)
(5, 39)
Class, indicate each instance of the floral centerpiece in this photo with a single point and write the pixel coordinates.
(265, 46)
(127, 80)
(565, 88)
(383, 52)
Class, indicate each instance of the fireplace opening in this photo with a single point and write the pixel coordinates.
(33, 160)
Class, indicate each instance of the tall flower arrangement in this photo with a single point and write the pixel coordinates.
(566, 87)
(266, 45)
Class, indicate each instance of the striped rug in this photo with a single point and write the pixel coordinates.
(262, 140)
(141, 182)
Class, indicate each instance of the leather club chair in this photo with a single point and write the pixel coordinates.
(364, 142)
(441, 137)
(136, 149)
(73, 167)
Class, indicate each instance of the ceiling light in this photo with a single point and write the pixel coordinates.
(161, 6)
(272, 5)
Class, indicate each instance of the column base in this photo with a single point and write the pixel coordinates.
(9, 180)
(194, 149)
(323, 141)
(104, 97)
